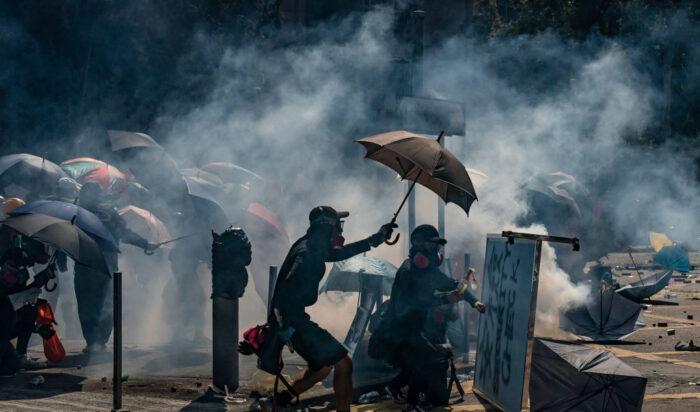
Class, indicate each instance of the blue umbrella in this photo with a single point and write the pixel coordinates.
(82, 218)
(673, 257)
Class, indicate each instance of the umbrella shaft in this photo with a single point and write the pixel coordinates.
(408, 193)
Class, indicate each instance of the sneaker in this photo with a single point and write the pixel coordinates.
(396, 394)
(94, 348)
(6, 374)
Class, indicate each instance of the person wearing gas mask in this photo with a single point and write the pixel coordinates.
(419, 294)
(297, 288)
(93, 290)
(17, 254)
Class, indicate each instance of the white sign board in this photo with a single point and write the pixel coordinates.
(504, 347)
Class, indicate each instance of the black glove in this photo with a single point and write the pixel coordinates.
(443, 352)
(45, 331)
(245, 348)
(383, 234)
(43, 277)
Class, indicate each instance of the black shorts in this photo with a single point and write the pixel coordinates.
(316, 346)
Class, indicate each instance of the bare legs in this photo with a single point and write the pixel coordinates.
(342, 382)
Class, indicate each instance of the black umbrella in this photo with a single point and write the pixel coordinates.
(203, 185)
(571, 377)
(606, 316)
(63, 236)
(121, 140)
(30, 172)
(645, 288)
(347, 275)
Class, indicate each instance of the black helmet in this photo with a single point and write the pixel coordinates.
(426, 233)
(321, 215)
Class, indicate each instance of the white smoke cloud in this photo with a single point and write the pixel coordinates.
(534, 104)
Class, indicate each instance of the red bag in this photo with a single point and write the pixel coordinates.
(53, 348)
(255, 336)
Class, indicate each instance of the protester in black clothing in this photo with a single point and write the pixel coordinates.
(297, 288)
(93, 289)
(419, 289)
(17, 254)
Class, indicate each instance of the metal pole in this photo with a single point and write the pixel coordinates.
(272, 280)
(441, 207)
(466, 312)
(117, 343)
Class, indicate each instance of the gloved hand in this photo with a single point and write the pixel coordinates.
(150, 248)
(45, 331)
(245, 348)
(383, 234)
(43, 277)
(444, 352)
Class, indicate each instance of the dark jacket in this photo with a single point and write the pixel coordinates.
(301, 273)
(415, 293)
(117, 226)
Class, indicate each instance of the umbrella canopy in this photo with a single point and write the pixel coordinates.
(659, 240)
(62, 235)
(82, 218)
(203, 185)
(31, 172)
(606, 316)
(231, 173)
(571, 377)
(87, 169)
(674, 258)
(145, 224)
(121, 140)
(258, 214)
(423, 160)
(645, 288)
(560, 188)
(347, 275)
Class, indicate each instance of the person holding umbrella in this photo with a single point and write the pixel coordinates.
(297, 288)
(17, 254)
(93, 291)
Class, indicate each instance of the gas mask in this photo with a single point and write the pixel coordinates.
(427, 254)
(337, 239)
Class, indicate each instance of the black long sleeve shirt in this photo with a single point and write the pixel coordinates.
(301, 273)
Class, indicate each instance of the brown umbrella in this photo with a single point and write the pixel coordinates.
(144, 223)
(423, 160)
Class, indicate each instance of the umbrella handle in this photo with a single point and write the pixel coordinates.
(393, 242)
(46, 286)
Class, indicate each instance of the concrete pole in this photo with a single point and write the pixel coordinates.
(224, 343)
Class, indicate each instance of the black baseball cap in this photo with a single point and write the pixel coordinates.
(326, 214)
(426, 233)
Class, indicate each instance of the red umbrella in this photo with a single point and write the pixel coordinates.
(260, 215)
(87, 169)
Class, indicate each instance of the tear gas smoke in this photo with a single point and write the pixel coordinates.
(533, 104)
